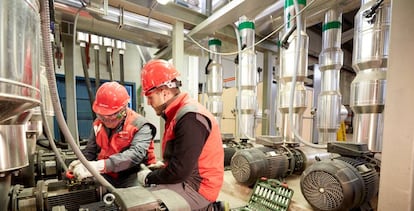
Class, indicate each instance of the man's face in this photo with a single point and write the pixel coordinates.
(156, 99)
(112, 120)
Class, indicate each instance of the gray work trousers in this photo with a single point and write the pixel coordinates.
(193, 198)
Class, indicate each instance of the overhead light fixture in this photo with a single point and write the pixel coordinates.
(163, 2)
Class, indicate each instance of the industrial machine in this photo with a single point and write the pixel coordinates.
(345, 176)
(33, 179)
(72, 195)
(273, 160)
(345, 182)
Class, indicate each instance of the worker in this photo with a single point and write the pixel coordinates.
(192, 149)
(120, 139)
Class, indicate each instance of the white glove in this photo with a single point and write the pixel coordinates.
(81, 172)
(157, 165)
(142, 175)
(73, 164)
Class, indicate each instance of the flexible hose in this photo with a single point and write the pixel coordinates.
(49, 133)
(87, 78)
(97, 72)
(121, 69)
(47, 51)
(292, 90)
(109, 65)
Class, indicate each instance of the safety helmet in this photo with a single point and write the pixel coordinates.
(156, 73)
(110, 98)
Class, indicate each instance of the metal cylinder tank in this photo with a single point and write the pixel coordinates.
(370, 56)
(19, 82)
(19, 56)
(330, 63)
(287, 71)
(215, 81)
(247, 79)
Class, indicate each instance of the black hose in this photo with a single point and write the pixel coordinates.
(97, 73)
(121, 69)
(109, 65)
(208, 63)
(87, 79)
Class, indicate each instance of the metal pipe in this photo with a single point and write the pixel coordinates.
(109, 44)
(290, 76)
(96, 41)
(121, 47)
(247, 78)
(5, 184)
(330, 63)
(215, 80)
(370, 59)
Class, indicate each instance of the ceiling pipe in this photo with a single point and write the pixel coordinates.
(133, 27)
(272, 18)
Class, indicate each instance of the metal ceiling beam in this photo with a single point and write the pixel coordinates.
(229, 14)
(219, 24)
(168, 13)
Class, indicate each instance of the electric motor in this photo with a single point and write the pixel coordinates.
(248, 165)
(339, 184)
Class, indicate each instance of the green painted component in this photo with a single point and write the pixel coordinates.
(331, 25)
(289, 3)
(214, 42)
(246, 25)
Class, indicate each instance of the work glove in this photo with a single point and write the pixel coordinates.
(157, 165)
(142, 175)
(73, 164)
(81, 172)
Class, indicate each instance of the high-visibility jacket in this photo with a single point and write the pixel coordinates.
(121, 140)
(209, 172)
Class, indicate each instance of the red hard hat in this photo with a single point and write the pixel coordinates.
(156, 73)
(110, 98)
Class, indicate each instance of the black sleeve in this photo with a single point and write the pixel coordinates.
(91, 150)
(191, 133)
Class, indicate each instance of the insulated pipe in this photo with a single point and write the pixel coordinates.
(215, 80)
(370, 57)
(247, 78)
(330, 63)
(109, 45)
(121, 47)
(288, 72)
(96, 41)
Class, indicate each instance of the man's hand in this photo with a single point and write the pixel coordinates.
(73, 164)
(142, 175)
(157, 165)
(81, 172)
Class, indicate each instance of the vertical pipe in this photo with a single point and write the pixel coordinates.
(288, 71)
(331, 61)
(83, 39)
(109, 44)
(96, 42)
(247, 80)
(370, 57)
(215, 80)
(5, 185)
(121, 47)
